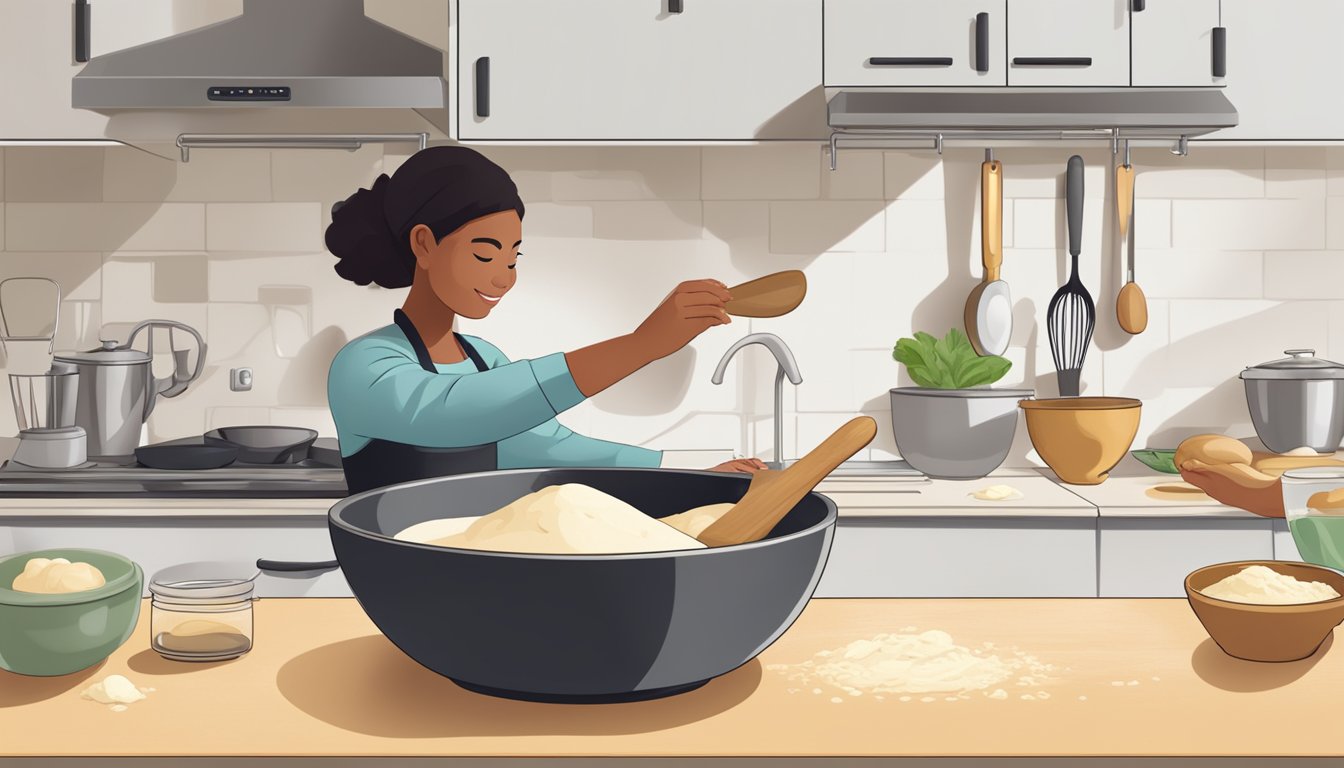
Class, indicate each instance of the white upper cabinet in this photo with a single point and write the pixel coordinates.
(1069, 42)
(1283, 69)
(37, 55)
(1178, 43)
(915, 43)
(639, 69)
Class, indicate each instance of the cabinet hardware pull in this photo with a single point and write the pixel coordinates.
(1220, 51)
(483, 86)
(982, 42)
(1052, 61)
(1139, 5)
(82, 30)
(910, 61)
(674, 6)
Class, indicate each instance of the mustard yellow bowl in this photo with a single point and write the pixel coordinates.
(1082, 438)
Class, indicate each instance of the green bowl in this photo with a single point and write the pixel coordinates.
(64, 633)
(1160, 460)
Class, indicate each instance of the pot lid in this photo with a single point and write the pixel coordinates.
(111, 353)
(1300, 364)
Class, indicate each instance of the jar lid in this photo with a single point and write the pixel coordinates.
(1300, 364)
(204, 582)
(110, 353)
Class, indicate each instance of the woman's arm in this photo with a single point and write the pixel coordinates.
(555, 445)
(376, 390)
(692, 308)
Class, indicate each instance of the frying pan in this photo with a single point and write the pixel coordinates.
(577, 628)
(265, 445)
(186, 454)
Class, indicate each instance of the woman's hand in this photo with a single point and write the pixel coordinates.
(748, 466)
(692, 308)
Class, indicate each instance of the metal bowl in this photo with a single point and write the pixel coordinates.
(577, 628)
(265, 444)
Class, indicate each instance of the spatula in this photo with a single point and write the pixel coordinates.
(769, 296)
(773, 493)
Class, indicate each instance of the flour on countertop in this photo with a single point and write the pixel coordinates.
(114, 689)
(916, 662)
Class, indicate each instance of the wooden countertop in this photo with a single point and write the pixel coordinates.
(322, 681)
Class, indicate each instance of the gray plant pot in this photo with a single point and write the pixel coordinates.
(955, 434)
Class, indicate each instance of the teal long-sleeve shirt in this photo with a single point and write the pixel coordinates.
(376, 389)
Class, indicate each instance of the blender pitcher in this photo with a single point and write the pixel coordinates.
(44, 408)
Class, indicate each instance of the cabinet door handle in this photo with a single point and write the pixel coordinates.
(82, 32)
(675, 6)
(1139, 5)
(910, 61)
(1220, 51)
(982, 42)
(1052, 61)
(483, 86)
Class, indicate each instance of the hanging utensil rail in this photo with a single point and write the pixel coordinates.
(886, 138)
(347, 141)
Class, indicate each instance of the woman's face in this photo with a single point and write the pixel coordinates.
(472, 268)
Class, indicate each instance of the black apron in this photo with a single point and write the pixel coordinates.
(384, 462)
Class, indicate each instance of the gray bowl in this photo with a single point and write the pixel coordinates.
(577, 628)
(955, 434)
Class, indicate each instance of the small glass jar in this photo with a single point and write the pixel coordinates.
(201, 612)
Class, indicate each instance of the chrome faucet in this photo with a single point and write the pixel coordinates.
(787, 367)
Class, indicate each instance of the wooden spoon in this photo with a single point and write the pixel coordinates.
(769, 498)
(769, 296)
(1131, 306)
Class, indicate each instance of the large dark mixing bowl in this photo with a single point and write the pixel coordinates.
(577, 628)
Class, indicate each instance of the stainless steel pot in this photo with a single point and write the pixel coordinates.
(1297, 401)
(118, 390)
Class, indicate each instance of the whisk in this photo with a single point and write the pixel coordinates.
(1071, 316)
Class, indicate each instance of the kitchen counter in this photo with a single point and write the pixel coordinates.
(323, 682)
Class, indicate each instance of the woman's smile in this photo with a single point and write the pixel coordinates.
(488, 298)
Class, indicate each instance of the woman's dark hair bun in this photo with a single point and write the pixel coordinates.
(368, 251)
(440, 187)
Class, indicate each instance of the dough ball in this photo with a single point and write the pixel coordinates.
(57, 576)
(1213, 449)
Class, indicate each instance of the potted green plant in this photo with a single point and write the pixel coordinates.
(952, 425)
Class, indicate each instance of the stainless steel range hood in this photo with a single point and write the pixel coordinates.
(278, 54)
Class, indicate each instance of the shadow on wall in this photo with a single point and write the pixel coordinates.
(304, 382)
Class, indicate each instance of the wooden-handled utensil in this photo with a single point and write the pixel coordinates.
(770, 498)
(989, 308)
(1131, 307)
(769, 296)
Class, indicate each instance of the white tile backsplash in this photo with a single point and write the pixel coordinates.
(53, 174)
(263, 226)
(1239, 252)
(827, 225)
(782, 171)
(104, 226)
(647, 220)
(1249, 225)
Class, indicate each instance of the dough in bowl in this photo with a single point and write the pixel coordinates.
(57, 576)
(568, 519)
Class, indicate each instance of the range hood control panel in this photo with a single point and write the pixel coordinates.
(248, 93)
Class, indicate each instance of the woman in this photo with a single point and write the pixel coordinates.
(415, 399)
